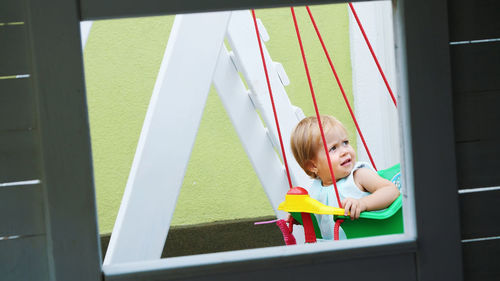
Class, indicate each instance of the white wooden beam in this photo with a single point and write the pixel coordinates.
(167, 137)
(374, 109)
(250, 130)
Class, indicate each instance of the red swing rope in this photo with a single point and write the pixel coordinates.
(315, 105)
(272, 99)
(339, 221)
(340, 86)
(372, 52)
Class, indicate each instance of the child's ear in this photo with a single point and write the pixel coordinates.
(311, 166)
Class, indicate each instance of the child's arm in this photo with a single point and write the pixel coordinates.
(383, 193)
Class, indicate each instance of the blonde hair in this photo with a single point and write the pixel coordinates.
(306, 138)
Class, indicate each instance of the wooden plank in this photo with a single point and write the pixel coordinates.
(11, 11)
(16, 104)
(475, 67)
(480, 214)
(64, 139)
(342, 264)
(18, 156)
(476, 162)
(21, 210)
(476, 89)
(96, 9)
(473, 20)
(481, 260)
(475, 116)
(13, 51)
(426, 110)
(167, 137)
(24, 259)
(250, 130)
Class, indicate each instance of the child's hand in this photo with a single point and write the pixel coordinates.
(353, 207)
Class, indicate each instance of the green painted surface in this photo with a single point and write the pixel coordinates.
(122, 58)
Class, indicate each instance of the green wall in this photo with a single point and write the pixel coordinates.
(122, 58)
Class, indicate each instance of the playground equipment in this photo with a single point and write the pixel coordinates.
(297, 200)
(157, 171)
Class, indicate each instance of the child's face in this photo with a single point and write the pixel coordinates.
(342, 156)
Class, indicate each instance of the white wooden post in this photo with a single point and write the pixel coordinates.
(374, 108)
(167, 137)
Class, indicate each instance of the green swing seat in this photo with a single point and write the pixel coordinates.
(371, 223)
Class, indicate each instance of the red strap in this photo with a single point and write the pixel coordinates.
(315, 105)
(287, 233)
(291, 221)
(336, 229)
(373, 53)
(309, 234)
(341, 88)
(272, 99)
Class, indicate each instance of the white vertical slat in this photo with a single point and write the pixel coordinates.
(250, 130)
(243, 41)
(167, 137)
(375, 111)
